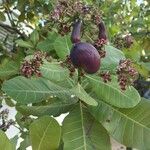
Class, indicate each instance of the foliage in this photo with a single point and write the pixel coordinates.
(97, 108)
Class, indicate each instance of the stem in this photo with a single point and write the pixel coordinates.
(79, 76)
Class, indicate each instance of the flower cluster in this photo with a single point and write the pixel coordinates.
(126, 74)
(67, 10)
(105, 76)
(32, 66)
(64, 28)
(123, 42)
(4, 122)
(128, 41)
(100, 42)
(102, 53)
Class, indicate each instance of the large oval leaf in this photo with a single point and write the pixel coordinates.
(81, 131)
(54, 72)
(111, 93)
(45, 134)
(5, 143)
(8, 68)
(130, 127)
(26, 91)
(113, 56)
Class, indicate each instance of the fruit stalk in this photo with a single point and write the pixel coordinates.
(75, 36)
(102, 31)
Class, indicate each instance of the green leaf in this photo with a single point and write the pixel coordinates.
(8, 68)
(56, 108)
(34, 37)
(83, 95)
(81, 131)
(62, 46)
(47, 44)
(24, 44)
(54, 71)
(113, 56)
(130, 127)
(9, 102)
(45, 134)
(26, 91)
(20, 121)
(110, 92)
(146, 65)
(2, 16)
(5, 143)
(68, 83)
(134, 53)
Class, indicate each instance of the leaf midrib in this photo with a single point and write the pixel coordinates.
(44, 135)
(84, 138)
(29, 91)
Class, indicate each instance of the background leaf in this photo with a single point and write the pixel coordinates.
(113, 56)
(8, 68)
(62, 46)
(47, 45)
(45, 134)
(81, 131)
(54, 72)
(111, 93)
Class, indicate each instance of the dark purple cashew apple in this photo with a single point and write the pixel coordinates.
(83, 55)
(102, 31)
